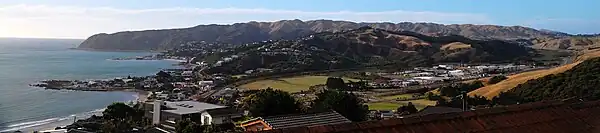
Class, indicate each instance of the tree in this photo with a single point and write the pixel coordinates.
(118, 111)
(431, 96)
(116, 126)
(269, 102)
(408, 109)
(335, 83)
(347, 104)
(163, 77)
(187, 126)
(496, 79)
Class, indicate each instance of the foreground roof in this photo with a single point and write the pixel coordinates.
(302, 120)
(540, 117)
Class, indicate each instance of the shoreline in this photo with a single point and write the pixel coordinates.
(113, 50)
(139, 96)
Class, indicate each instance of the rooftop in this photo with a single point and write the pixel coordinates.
(189, 107)
(300, 120)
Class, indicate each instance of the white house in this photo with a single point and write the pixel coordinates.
(166, 114)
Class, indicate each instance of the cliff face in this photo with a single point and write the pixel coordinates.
(291, 29)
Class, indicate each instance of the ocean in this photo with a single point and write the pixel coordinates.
(25, 61)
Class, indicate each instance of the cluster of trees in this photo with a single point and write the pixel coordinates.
(410, 108)
(117, 118)
(270, 102)
(580, 82)
(339, 84)
(335, 83)
(497, 79)
(457, 89)
(191, 126)
(472, 101)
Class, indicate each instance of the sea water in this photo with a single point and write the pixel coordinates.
(26, 61)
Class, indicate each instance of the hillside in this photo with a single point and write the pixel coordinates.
(363, 47)
(290, 29)
(517, 79)
(513, 81)
(569, 43)
(580, 82)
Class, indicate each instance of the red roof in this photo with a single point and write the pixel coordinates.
(541, 117)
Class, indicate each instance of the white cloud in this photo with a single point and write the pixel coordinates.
(80, 22)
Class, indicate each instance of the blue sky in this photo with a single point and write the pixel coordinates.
(82, 18)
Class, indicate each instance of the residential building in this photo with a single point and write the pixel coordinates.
(166, 114)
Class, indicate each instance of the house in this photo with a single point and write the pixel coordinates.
(456, 73)
(187, 73)
(538, 117)
(204, 83)
(166, 114)
(297, 120)
(386, 114)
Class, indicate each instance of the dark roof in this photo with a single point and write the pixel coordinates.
(78, 131)
(437, 110)
(223, 111)
(539, 117)
(302, 120)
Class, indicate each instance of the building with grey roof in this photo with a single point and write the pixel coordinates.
(166, 114)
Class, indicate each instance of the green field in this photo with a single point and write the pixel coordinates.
(239, 76)
(291, 84)
(419, 104)
(383, 106)
(401, 97)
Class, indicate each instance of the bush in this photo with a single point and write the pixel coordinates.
(497, 79)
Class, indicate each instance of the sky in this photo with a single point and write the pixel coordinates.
(83, 18)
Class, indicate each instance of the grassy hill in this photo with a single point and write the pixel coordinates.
(493, 90)
(514, 80)
(580, 82)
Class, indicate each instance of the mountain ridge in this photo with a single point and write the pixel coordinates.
(362, 47)
(253, 31)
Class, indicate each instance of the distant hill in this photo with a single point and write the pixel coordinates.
(568, 43)
(290, 29)
(365, 46)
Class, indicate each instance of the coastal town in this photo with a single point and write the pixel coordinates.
(272, 66)
(187, 90)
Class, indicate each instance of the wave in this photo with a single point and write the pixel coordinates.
(30, 124)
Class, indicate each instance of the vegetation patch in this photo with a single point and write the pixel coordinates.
(400, 97)
(420, 103)
(383, 106)
(290, 84)
(455, 45)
